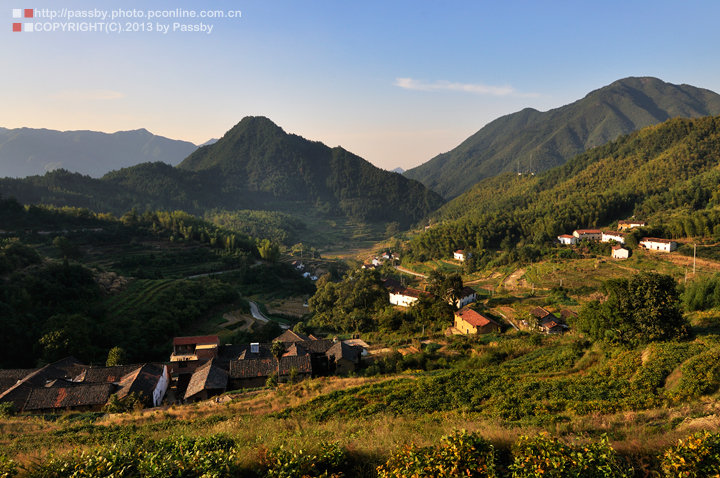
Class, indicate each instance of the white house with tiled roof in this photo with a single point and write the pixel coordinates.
(658, 244)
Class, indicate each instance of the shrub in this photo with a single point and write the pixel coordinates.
(459, 454)
(327, 462)
(696, 456)
(545, 456)
(8, 468)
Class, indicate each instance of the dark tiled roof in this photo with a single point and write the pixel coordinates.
(290, 336)
(66, 368)
(61, 397)
(467, 291)
(9, 377)
(319, 346)
(207, 377)
(541, 313)
(197, 340)
(106, 374)
(342, 350)
(254, 368)
(142, 381)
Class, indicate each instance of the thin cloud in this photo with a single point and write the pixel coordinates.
(474, 88)
(88, 95)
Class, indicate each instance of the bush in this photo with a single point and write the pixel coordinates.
(459, 454)
(327, 462)
(543, 455)
(694, 457)
(8, 467)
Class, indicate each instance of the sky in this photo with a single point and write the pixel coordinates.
(396, 82)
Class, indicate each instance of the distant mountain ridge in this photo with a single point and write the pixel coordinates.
(534, 141)
(255, 165)
(27, 152)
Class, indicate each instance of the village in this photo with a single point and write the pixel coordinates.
(199, 368)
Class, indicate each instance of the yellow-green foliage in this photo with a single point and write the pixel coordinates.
(697, 456)
(700, 376)
(459, 454)
(8, 467)
(545, 456)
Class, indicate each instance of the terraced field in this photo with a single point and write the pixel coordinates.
(138, 292)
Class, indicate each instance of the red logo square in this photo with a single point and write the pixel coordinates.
(17, 27)
(29, 13)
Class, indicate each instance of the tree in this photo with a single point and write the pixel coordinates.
(269, 251)
(277, 349)
(639, 310)
(67, 248)
(116, 356)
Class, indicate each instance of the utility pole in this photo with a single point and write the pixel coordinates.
(694, 250)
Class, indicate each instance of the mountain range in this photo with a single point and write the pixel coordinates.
(534, 141)
(27, 152)
(255, 165)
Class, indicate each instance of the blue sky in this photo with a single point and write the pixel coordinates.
(396, 82)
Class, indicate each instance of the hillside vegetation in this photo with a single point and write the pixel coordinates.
(534, 141)
(665, 174)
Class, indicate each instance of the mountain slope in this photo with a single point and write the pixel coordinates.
(27, 152)
(258, 160)
(256, 165)
(535, 141)
(667, 174)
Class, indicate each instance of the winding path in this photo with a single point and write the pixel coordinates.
(257, 315)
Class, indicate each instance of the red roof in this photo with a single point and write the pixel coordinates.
(618, 246)
(566, 236)
(588, 231)
(197, 340)
(460, 251)
(474, 318)
(631, 222)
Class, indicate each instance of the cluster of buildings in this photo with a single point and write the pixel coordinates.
(618, 237)
(403, 296)
(378, 261)
(70, 385)
(203, 368)
(199, 368)
(300, 267)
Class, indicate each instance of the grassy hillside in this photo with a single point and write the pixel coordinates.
(533, 141)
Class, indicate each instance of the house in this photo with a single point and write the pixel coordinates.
(658, 244)
(624, 225)
(149, 381)
(405, 297)
(459, 255)
(255, 372)
(195, 348)
(290, 336)
(376, 262)
(619, 252)
(608, 236)
(359, 343)
(207, 381)
(588, 234)
(111, 374)
(468, 321)
(52, 374)
(68, 396)
(548, 322)
(344, 358)
(567, 239)
(467, 296)
(298, 265)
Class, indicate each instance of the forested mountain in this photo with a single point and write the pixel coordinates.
(534, 141)
(27, 152)
(667, 174)
(256, 165)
